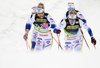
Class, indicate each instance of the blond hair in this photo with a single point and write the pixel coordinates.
(40, 5)
(70, 3)
(34, 7)
(73, 12)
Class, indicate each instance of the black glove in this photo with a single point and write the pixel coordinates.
(57, 31)
(93, 41)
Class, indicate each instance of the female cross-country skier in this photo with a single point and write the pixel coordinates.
(72, 28)
(41, 38)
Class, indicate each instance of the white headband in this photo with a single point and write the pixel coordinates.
(40, 10)
(71, 6)
(72, 16)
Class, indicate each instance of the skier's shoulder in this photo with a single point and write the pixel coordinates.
(67, 12)
(32, 15)
(77, 11)
(81, 22)
(46, 14)
(63, 21)
(66, 20)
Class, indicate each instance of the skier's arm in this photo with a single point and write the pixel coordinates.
(52, 22)
(79, 15)
(28, 27)
(29, 23)
(93, 40)
(86, 27)
(60, 26)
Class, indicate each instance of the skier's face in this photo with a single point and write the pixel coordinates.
(72, 21)
(40, 14)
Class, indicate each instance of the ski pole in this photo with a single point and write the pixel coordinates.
(94, 47)
(54, 39)
(27, 45)
(58, 40)
(84, 38)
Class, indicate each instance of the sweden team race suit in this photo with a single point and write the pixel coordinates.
(73, 36)
(41, 38)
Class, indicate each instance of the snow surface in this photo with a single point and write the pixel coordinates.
(13, 51)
